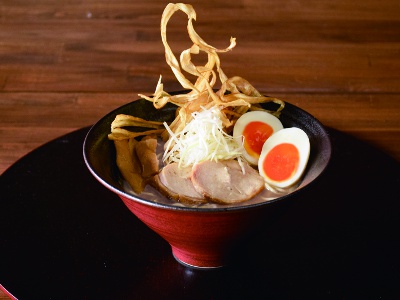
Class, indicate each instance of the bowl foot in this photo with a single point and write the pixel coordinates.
(198, 261)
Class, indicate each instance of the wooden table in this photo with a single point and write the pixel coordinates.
(64, 64)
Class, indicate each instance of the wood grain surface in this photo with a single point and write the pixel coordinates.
(64, 64)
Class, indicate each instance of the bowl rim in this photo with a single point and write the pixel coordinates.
(185, 208)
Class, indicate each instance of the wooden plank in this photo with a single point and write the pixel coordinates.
(29, 120)
(64, 64)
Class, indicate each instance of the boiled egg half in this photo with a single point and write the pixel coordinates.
(253, 129)
(284, 157)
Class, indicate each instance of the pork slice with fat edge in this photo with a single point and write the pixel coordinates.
(175, 183)
(224, 181)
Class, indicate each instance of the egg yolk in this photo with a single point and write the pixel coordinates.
(255, 134)
(281, 162)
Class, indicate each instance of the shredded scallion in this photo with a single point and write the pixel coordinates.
(202, 139)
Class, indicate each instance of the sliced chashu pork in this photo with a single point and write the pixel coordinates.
(175, 183)
(224, 181)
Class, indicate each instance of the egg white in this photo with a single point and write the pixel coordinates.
(300, 140)
(253, 116)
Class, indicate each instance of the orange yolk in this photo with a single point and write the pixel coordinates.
(255, 134)
(281, 162)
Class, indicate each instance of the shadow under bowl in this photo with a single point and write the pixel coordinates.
(199, 237)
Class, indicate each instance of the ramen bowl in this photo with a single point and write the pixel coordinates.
(203, 236)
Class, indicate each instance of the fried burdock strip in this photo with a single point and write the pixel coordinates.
(235, 97)
(235, 94)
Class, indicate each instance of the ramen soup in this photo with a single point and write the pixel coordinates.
(152, 194)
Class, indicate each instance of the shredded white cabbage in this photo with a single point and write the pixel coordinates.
(202, 139)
